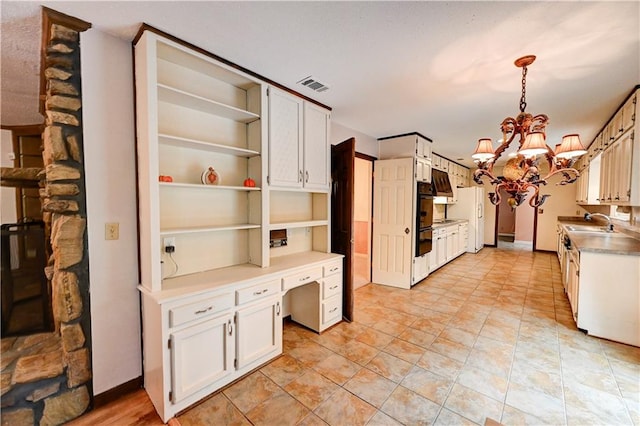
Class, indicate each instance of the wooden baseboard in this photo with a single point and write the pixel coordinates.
(119, 391)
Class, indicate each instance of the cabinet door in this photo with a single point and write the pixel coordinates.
(285, 139)
(423, 170)
(201, 355)
(259, 331)
(441, 252)
(423, 148)
(393, 220)
(316, 147)
(624, 163)
(628, 115)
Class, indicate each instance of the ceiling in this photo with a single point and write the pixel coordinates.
(444, 69)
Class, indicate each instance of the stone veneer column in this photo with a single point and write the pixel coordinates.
(53, 385)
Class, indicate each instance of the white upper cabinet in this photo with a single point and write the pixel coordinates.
(316, 147)
(298, 142)
(285, 139)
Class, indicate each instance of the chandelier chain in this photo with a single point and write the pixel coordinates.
(523, 102)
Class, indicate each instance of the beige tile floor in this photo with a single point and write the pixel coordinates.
(489, 335)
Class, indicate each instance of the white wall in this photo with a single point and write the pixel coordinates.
(7, 195)
(365, 144)
(109, 149)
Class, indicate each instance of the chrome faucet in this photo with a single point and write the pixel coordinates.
(588, 216)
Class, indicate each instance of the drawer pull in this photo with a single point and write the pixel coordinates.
(230, 328)
(258, 293)
(335, 268)
(334, 287)
(333, 310)
(203, 311)
(304, 278)
(278, 308)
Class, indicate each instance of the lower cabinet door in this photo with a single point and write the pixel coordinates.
(259, 331)
(201, 355)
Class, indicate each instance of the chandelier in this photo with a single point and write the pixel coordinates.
(522, 172)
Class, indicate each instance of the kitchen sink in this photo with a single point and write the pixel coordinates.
(599, 231)
(589, 228)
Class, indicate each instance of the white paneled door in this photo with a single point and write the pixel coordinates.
(393, 226)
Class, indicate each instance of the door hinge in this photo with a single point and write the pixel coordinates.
(267, 91)
(169, 344)
(235, 363)
(268, 180)
(170, 396)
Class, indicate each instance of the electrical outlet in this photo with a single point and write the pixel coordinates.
(111, 231)
(169, 241)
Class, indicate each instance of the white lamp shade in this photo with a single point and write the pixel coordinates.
(484, 150)
(570, 147)
(534, 144)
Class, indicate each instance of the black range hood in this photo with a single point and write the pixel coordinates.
(440, 180)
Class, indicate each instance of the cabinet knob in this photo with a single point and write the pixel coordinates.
(407, 230)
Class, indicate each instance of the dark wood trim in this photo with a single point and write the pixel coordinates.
(365, 156)
(146, 27)
(55, 17)
(406, 134)
(453, 161)
(49, 17)
(24, 129)
(118, 392)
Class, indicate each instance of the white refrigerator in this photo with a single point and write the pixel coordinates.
(470, 206)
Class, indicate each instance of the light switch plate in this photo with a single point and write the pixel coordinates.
(111, 231)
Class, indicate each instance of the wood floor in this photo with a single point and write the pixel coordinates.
(133, 409)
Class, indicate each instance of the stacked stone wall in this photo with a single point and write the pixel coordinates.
(46, 378)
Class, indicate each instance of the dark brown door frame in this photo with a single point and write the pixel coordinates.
(373, 169)
(535, 226)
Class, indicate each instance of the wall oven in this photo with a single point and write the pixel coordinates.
(424, 218)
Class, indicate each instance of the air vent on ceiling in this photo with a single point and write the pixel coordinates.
(313, 84)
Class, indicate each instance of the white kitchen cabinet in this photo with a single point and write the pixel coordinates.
(298, 142)
(406, 145)
(609, 296)
(285, 139)
(195, 113)
(441, 248)
(201, 355)
(212, 305)
(259, 331)
(616, 151)
(316, 296)
(619, 165)
(411, 145)
(463, 238)
(423, 170)
(451, 242)
(421, 267)
(573, 281)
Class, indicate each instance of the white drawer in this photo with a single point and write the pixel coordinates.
(331, 309)
(302, 278)
(332, 268)
(200, 309)
(257, 291)
(331, 286)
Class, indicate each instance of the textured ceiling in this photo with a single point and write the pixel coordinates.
(444, 69)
